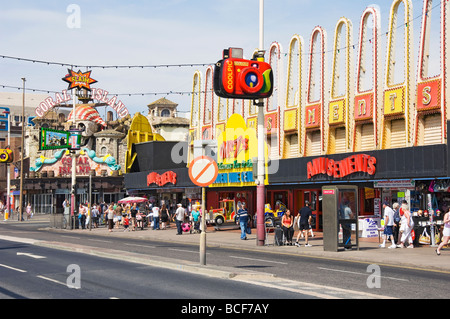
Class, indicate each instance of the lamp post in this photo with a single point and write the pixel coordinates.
(23, 152)
(260, 189)
(74, 176)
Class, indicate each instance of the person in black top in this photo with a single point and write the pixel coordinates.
(303, 223)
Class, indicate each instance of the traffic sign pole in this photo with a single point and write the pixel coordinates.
(203, 172)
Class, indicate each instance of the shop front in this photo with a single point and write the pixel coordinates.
(158, 177)
(383, 175)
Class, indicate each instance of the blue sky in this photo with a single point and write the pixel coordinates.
(157, 32)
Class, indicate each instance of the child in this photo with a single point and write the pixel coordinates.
(126, 222)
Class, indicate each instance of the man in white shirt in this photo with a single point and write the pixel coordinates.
(388, 225)
(155, 215)
(179, 218)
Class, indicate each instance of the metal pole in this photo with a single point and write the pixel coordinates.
(260, 191)
(74, 176)
(8, 173)
(23, 152)
(90, 200)
(203, 233)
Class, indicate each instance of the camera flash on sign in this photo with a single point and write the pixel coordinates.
(236, 53)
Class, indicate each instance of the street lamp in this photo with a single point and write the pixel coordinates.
(260, 189)
(23, 152)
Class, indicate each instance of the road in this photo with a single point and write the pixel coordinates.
(297, 276)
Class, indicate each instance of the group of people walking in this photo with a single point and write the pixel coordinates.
(398, 225)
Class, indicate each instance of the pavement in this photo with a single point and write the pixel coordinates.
(422, 257)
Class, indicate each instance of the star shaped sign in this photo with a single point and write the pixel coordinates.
(79, 80)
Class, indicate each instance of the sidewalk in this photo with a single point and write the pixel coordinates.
(422, 257)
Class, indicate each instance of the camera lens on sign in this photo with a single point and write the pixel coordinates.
(251, 80)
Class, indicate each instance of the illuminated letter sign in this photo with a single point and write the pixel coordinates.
(339, 169)
(161, 180)
(429, 95)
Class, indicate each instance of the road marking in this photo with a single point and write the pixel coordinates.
(363, 274)
(12, 268)
(71, 237)
(137, 245)
(30, 255)
(99, 240)
(262, 260)
(53, 280)
(185, 251)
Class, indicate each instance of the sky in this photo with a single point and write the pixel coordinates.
(156, 32)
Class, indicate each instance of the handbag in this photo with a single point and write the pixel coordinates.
(424, 239)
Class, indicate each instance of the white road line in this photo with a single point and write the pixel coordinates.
(30, 255)
(71, 237)
(363, 274)
(262, 260)
(137, 245)
(12, 268)
(99, 240)
(53, 280)
(185, 251)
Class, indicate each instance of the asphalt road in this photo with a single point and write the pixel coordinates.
(364, 279)
(29, 271)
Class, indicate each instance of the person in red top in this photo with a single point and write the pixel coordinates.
(287, 223)
(126, 223)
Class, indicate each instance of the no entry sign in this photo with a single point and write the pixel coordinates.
(203, 171)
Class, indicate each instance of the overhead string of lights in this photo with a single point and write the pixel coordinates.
(117, 94)
(79, 66)
(72, 66)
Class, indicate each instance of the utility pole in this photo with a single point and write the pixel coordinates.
(23, 152)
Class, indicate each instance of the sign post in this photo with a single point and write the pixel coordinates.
(203, 171)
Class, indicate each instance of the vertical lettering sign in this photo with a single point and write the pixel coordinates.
(429, 95)
(313, 116)
(364, 107)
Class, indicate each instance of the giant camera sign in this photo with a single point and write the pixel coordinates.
(235, 77)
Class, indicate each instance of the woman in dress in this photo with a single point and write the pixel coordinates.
(406, 227)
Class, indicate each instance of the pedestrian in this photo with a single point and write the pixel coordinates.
(155, 215)
(2, 208)
(388, 226)
(110, 215)
(118, 215)
(406, 226)
(133, 213)
(95, 214)
(446, 232)
(303, 223)
(195, 215)
(242, 216)
(81, 216)
(396, 226)
(29, 211)
(164, 216)
(179, 218)
(287, 224)
(126, 222)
